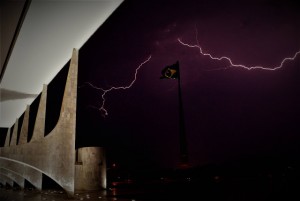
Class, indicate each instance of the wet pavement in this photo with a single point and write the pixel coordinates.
(218, 189)
(56, 195)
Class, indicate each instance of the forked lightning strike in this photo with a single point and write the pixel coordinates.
(105, 91)
(231, 62)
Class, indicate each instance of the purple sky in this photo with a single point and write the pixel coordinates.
(229, 113)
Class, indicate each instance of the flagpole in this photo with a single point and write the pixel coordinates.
(182, 134)
(173, 72)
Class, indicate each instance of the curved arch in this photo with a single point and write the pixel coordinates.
(2, 182)
(19, 174)
(28, 172)
(17, 178)
(6, 180)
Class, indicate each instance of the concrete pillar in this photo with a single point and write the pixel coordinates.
(63, 135)
(7, 139)
(39, 126)
(14, 136)
(24, 129)
(90, 172)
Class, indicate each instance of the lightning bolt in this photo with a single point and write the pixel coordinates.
(105, 91)
(231, 63)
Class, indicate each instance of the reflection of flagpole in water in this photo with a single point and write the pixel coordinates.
(173, 72)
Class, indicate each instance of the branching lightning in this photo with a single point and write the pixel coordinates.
(105, 91)
(231, 64)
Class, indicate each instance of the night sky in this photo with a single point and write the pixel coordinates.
(230, 112)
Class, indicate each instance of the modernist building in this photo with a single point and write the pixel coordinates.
(36, 43)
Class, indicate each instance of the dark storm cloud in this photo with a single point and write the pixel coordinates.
(229, 112)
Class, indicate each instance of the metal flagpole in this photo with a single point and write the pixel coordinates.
(182, 133)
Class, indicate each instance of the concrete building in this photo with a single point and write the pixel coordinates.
(37, 38)
(53, 155)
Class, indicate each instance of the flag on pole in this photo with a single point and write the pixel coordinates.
(170, 72)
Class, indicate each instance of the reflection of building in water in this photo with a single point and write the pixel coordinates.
(52, 155)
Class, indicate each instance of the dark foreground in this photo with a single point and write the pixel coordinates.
(51, 195)
(242, 189)
(235, 182)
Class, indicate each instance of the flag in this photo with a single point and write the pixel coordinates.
(171, 72)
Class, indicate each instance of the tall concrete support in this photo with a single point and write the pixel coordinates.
(14, 136)
(39, 126)
(7, 139)
(53, 155)
(90, 172)
(24, 130)
(62, 138)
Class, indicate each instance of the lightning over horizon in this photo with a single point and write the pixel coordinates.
(232, 64)
(105, 91)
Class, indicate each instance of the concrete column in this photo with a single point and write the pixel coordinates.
(14, 137)
(90, 172)
(7, 139)
(39, 126)
(63, 135)
(24, 129)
